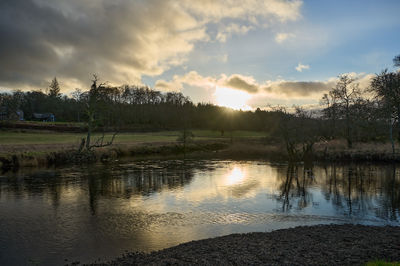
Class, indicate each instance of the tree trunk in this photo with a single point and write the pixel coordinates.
(89, 131)
(398, 123)
(88, 138)
(348, 127)
(348, 134)
(391, 135)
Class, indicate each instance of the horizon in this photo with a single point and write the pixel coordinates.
(239, 55)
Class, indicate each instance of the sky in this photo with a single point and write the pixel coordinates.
(243, 54)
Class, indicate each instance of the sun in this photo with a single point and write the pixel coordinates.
(231, 98)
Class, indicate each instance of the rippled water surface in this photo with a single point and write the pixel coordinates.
(82, 214)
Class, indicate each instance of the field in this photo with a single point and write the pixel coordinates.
(48, 140)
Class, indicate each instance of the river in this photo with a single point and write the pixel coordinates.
(85, 213)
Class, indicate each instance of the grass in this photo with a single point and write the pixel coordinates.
(41, 123)
(48, 137)
(35, 147)
(13, 138)
(227, 134)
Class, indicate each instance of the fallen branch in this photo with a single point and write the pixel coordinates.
(99, 142)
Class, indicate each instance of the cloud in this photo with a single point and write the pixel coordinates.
(298, 88)
(223, 58)
(362, 79)
(232, 29)
(300, 67)
(312, 88)
(235, 81)
(121, 40)
(246, 9)
(261, 94)
(240, 82)
(280, 37)
(192, 79)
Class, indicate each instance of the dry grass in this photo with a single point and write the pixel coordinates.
(34, 141)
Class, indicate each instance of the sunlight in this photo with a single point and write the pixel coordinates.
(231, 98)
(235, 177)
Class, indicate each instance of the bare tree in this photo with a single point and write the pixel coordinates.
(386, 87)
(300, 131)
(346, 93)
(330, 113)
(95, 107)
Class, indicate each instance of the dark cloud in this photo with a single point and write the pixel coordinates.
(119, 40)
(239, 82)
(299, 88)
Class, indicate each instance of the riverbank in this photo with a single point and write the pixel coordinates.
(310, 245)
(47, 148)
(48, 155)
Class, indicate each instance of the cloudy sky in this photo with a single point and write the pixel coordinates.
(238, 53)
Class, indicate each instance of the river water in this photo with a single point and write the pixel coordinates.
(57, 216)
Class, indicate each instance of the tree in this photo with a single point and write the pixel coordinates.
(54, 89)
(96, 108)
(78, 97)
(346, 93)
(386, 87)
(396, 61)
(299, 131)
(330, 113)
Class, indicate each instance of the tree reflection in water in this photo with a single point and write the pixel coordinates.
(353, 189)
(349, 189)
(294, 187)
(109, 183)
(152, 205)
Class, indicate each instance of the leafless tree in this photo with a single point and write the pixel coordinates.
(95, 106)
(300, 131)
(386, 87)
(347, 93)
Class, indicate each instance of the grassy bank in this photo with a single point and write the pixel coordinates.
(337, 150)
(18, 137)
(149, 150)
(38, 148)
(41, 148)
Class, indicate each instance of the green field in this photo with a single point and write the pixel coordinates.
(47, 137)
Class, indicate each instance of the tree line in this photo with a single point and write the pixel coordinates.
(132, 108)
(347, 112)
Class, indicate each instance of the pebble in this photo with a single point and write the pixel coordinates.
(306, 245)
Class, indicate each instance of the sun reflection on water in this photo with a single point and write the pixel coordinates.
(236, 176)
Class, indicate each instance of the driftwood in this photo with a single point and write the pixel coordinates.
(98, 144)
(100, 141)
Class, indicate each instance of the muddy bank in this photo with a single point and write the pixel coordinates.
(313, 245)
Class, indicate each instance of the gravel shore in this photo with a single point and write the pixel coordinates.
(308, 245)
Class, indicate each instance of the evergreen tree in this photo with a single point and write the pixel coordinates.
(54, 88)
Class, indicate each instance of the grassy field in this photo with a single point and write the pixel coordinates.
(48, 137)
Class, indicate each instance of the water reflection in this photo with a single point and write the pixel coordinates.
(107, 209)
(134, 181)
(236, 176)
(352, 190)
(294, 188)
